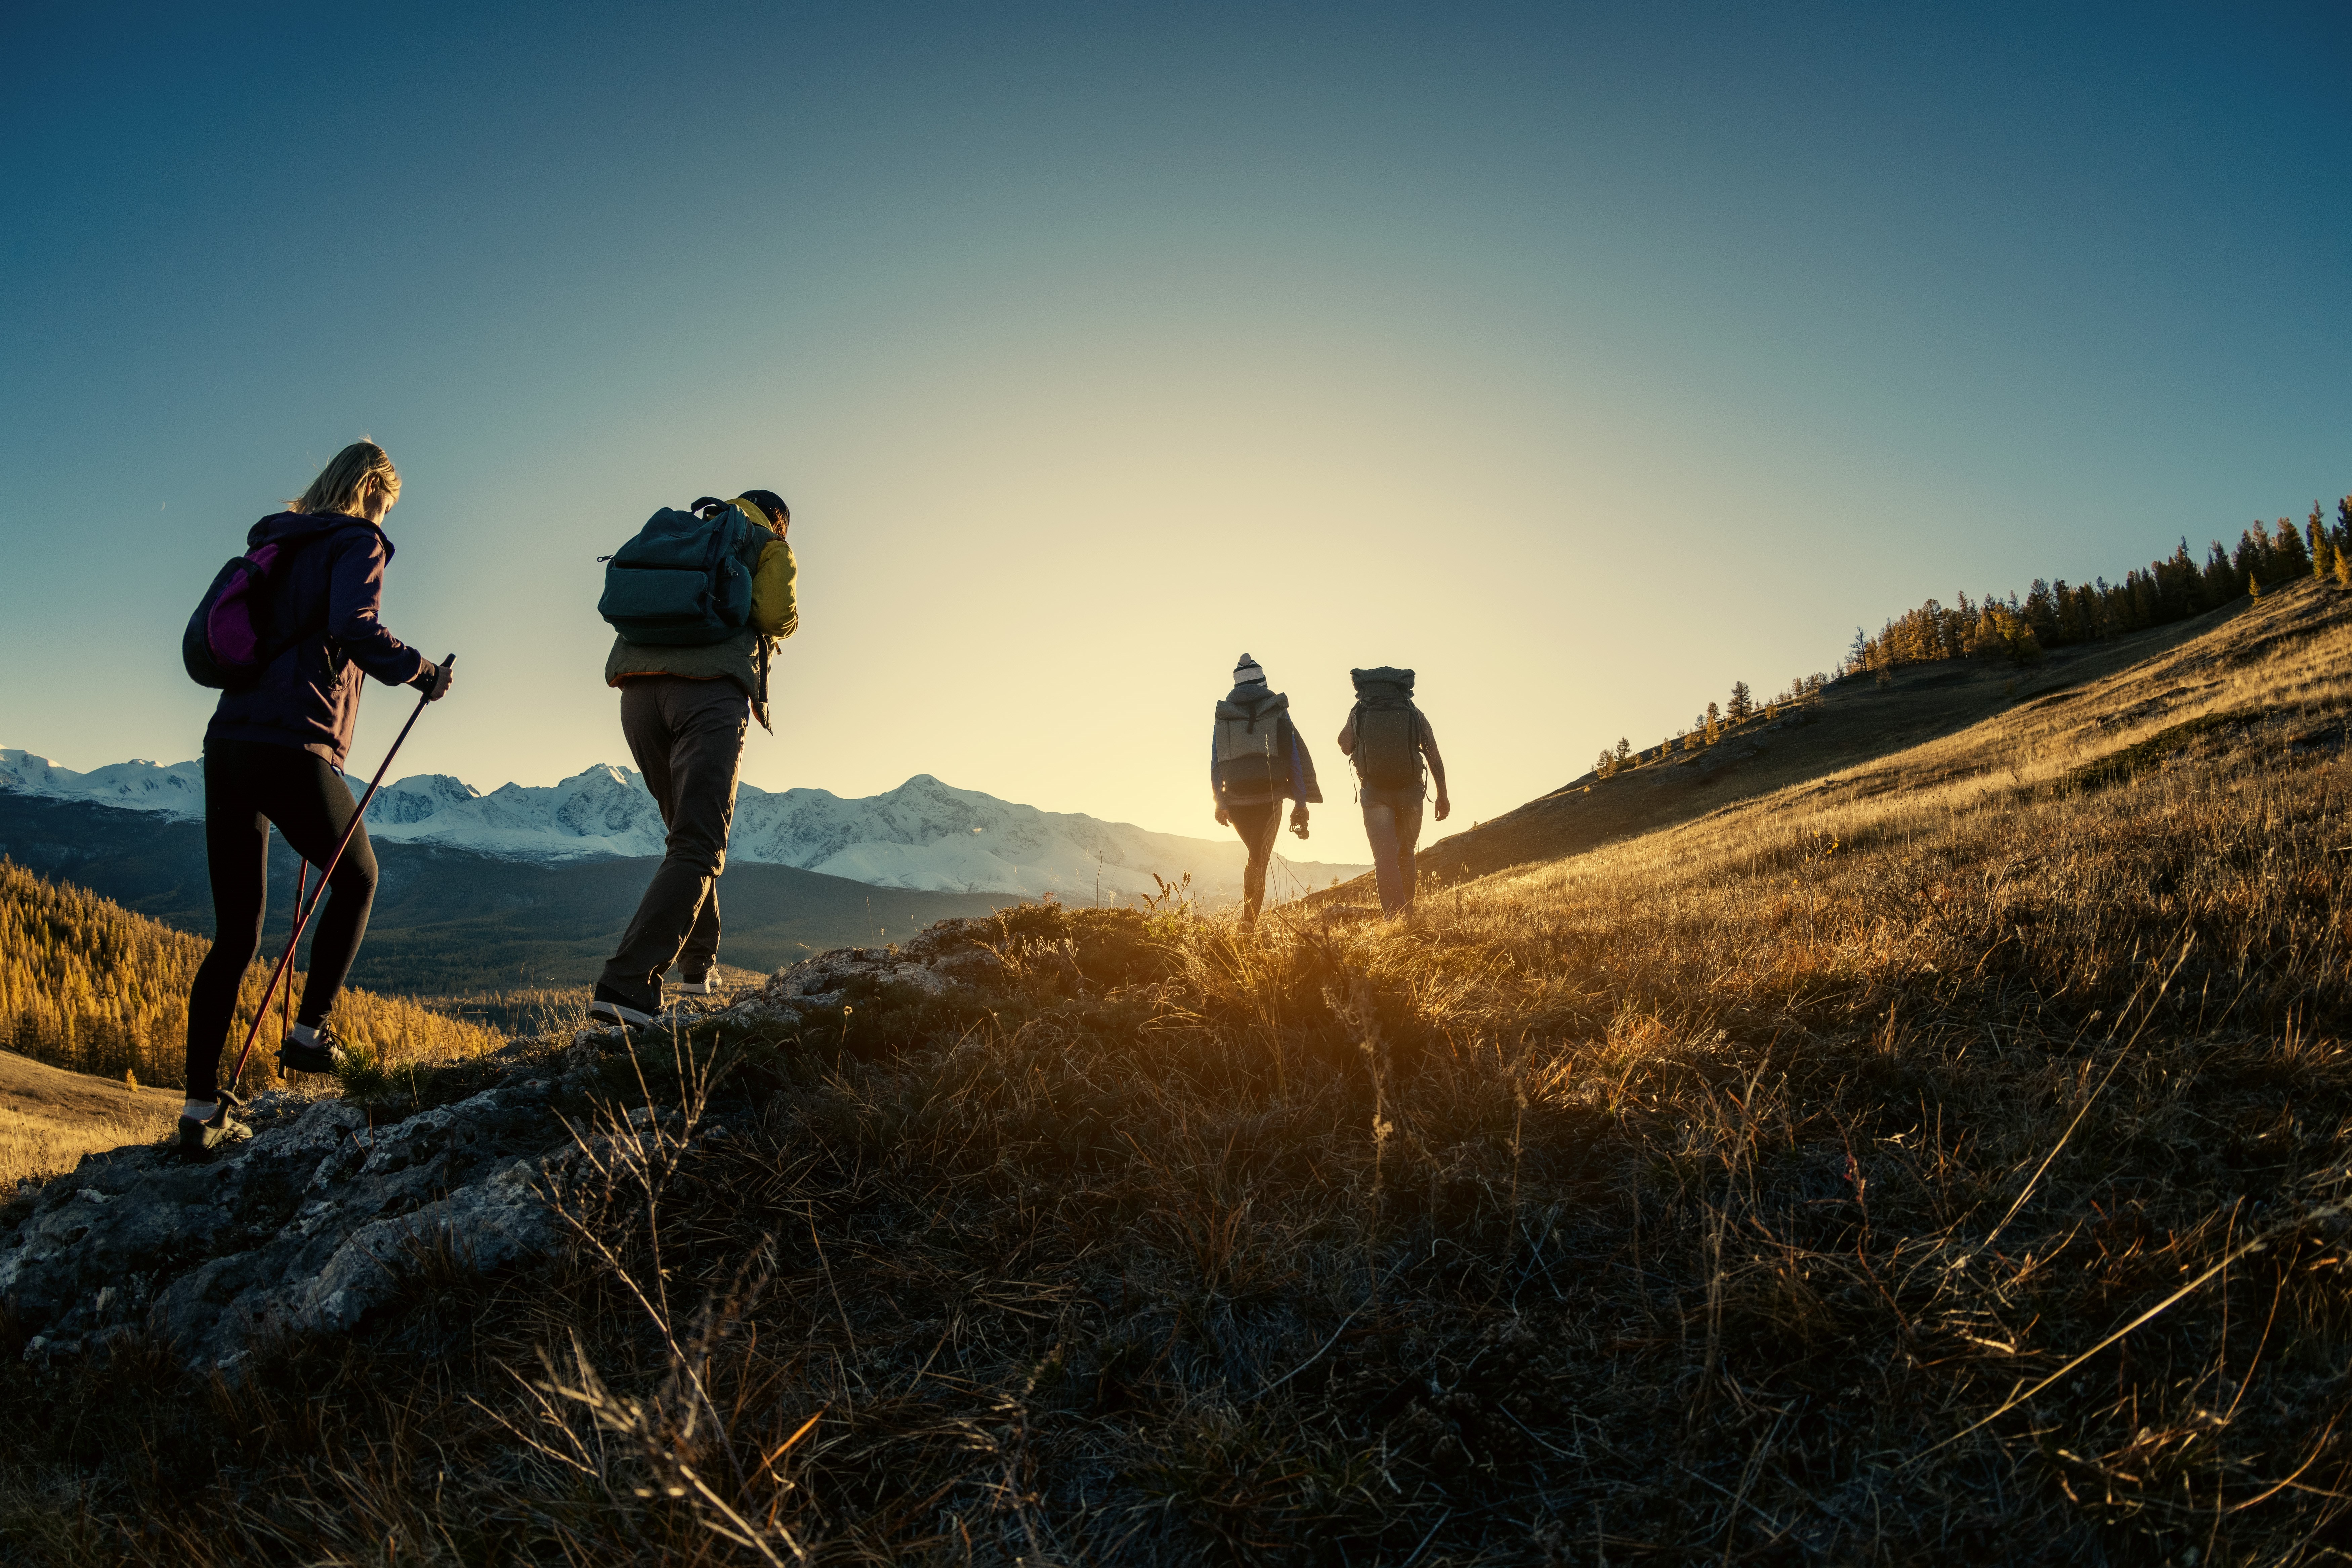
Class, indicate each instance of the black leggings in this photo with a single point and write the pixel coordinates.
(248, 787)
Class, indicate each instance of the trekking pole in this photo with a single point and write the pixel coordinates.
(303, 909)
(285, 960)
(301, 918)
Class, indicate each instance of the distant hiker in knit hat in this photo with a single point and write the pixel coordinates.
(693, 674)
(1256, 762)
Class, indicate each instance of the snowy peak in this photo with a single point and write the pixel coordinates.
(925, 834)
(137, 786)
(415, 798)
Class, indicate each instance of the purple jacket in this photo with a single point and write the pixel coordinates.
(308, 697)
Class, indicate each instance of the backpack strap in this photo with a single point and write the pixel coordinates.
(316, 625)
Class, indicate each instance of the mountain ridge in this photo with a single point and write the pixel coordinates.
(925, 836)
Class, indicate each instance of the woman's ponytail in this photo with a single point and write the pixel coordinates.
(343, 484)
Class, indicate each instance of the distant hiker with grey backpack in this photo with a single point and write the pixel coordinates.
(1256, 762)
(695, 600)
(1389, 740)
(285, 633)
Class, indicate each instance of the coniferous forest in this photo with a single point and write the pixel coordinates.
(89, 985)
(2051, 613)
(2057, 614)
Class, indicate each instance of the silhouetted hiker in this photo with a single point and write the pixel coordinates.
(1256, 762)
(1387, 737)
(274, 753)
(696, 597)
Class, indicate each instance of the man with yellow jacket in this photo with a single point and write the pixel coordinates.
(684, 711)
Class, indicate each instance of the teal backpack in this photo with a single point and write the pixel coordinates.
(1388, 729)
(684, 581)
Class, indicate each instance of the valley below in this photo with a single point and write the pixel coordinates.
(446, 921)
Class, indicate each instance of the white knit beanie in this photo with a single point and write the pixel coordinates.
(1247, 671)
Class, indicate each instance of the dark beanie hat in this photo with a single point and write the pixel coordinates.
(770, 502)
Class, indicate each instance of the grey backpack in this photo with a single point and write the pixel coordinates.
(1388, 729)
(1248, 764)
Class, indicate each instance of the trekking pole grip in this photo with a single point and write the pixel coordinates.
(446, 664)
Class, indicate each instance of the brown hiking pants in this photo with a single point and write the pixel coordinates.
(1392, 823)
(688, 739)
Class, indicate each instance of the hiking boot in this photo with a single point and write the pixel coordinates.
(323, 1052)
(198, 1139)
(611, 1008)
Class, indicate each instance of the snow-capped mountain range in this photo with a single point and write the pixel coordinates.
(924, 834)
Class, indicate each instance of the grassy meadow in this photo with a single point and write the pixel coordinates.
(1944, 1161)
(49, 1118)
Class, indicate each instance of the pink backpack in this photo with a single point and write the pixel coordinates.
(228, 642)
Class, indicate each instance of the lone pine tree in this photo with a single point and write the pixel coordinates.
(2287, 548)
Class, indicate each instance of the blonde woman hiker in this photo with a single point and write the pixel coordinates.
(697, 601)
(1256, 762)
(313, 588)
(1389, 740)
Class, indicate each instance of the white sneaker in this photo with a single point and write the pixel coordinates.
(705, 987)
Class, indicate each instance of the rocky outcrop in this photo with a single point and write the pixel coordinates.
(306, 1227)
(316, 1221)
(823, 980)
(932, 964)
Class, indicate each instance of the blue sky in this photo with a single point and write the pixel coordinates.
(1584, 358)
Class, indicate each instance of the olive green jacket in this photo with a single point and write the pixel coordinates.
(742, 659)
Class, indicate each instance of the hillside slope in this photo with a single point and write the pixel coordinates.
(50, 1118)
(1855, 722)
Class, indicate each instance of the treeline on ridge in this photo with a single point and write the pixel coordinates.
(2051, 614)
(89, 985)
(2054, 614)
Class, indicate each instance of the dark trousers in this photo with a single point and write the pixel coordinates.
(1392, 822)
(688, 739)
(248, 785)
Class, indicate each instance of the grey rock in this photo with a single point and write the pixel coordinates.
(309, 1226)
(819, 981)
(317, 1131)
(483, 1227)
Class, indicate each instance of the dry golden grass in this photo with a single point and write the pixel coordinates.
(33, 1144)
(1943, 1162)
